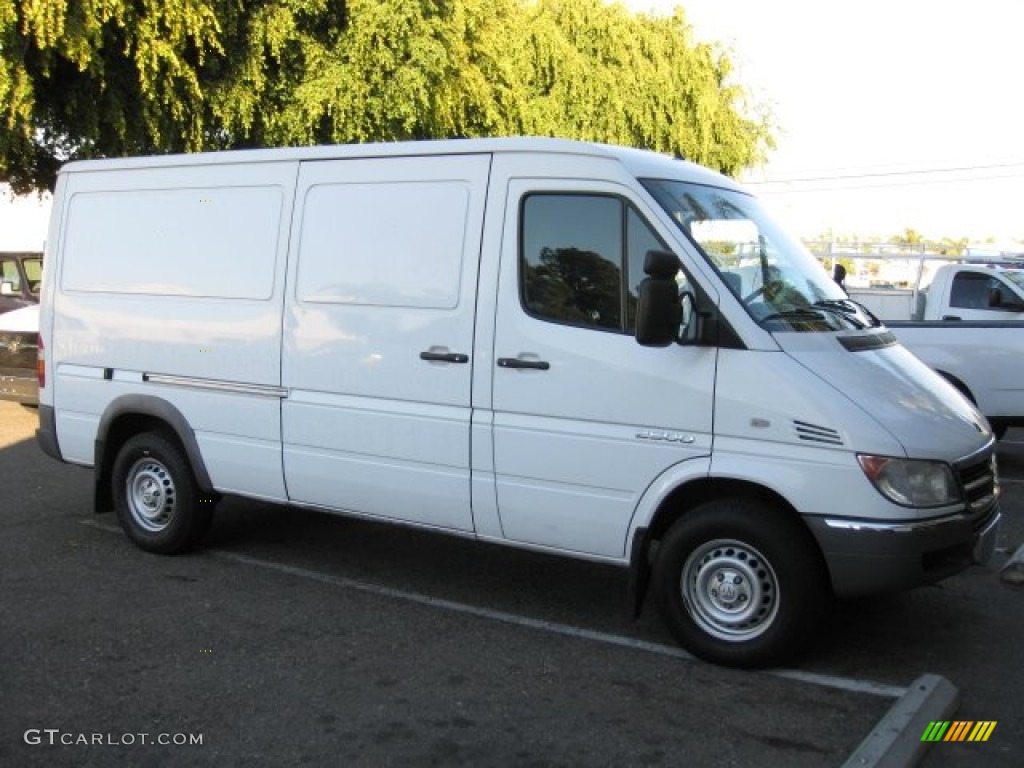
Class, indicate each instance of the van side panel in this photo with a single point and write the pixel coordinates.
(211, 242)
(379, 336)
(170, 284)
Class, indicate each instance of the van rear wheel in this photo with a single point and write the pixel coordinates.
(740, 583)
(158, 501)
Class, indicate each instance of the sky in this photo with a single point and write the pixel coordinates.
(888, 114)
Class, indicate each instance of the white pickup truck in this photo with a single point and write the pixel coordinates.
(967, 324)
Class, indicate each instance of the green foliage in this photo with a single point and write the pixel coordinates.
(99, 77)
(89, 78)
(909, 238)
(598, 72)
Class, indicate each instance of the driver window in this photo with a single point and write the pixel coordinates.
(582, 259)
(571, 259)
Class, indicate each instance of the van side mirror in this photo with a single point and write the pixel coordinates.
(659, 310)
(6, 288)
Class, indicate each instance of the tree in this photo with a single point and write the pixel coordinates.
(100, 78)
(598, 72)
(910, 238)
(84, 78)
(408, 70)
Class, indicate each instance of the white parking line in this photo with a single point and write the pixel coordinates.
(828, 681)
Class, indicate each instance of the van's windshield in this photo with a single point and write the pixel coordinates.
(776, 279)
(1015, 276)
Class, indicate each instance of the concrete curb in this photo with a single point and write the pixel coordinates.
(1013, 571)
(896, 741)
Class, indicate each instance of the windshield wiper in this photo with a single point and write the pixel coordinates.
(816, 311)
(849, 307)
(811, 313)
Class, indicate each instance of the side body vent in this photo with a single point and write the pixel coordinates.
(815, 434)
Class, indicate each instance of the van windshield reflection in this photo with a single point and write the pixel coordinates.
(773, 275)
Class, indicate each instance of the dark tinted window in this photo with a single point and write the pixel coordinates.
(576, 250)
(639, 239)
(971, 290)
(572, 259)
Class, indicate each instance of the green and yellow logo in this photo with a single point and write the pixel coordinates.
(959, 730)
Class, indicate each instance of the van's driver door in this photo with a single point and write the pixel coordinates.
(585, 419)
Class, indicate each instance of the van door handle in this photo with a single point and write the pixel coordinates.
(444, 357)
(950, 317)
(515, 362)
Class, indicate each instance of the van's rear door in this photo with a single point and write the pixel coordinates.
(378, 336)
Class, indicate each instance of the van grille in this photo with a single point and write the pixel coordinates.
(980, 483)
(815, 434)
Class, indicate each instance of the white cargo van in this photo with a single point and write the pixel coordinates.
(580, 349)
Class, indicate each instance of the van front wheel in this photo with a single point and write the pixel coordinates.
(158, 502)
(740, 583)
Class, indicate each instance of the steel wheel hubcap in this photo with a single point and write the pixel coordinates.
(730, 590)
(151, 495)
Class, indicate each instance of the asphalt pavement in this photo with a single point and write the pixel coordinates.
(300, 638)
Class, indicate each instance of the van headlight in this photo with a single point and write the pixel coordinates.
(911, 482)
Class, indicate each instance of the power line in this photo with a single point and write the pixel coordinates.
(886, 185)
(890, 174)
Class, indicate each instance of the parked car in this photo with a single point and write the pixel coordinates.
(968, 325)
(19, 331)
(21, 274)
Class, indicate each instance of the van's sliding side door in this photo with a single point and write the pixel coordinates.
(378, 336)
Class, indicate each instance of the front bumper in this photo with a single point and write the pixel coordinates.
(870, 557)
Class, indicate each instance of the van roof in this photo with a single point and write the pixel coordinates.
(639, 162)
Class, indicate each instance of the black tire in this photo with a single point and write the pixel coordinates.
(158, 502)
(776, 583)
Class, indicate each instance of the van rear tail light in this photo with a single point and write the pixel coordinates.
(41, 362)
